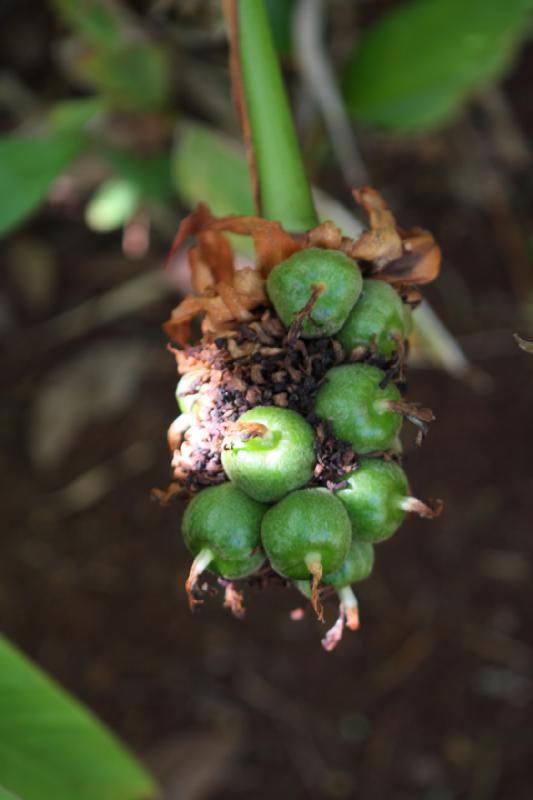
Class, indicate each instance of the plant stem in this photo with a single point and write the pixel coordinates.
(284, 192)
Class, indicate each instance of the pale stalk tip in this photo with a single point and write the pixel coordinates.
(200, 563)
(350, 607)
(416, 506)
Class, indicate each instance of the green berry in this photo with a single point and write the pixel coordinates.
(306, 534)
(356, 566)
(352, 399)
(291, 284)
(376, 499)
(280, 456)
(187, 394)
(221, 527)
(377, 318)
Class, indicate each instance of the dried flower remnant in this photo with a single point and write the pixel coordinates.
(247, 358)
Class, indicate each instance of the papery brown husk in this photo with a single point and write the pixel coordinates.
(225, 296)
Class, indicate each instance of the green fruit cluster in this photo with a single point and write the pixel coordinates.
(271, 506)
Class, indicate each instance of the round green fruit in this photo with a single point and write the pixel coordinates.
(279, 458)
(359, 410)
(306, 534)
(356, 566)
(332, 275)
(376, 499)
(377, 318)
(306, 527)
(222, 528)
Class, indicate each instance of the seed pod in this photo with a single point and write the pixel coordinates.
(306, 534)
(269, 453)
(221, 527)
(377, 499)
(377, 320)
(353, 401)
(335, 280)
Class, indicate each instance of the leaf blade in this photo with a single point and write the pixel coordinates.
(417, 64)
(28, 166)
(52, 748)
(207, 166)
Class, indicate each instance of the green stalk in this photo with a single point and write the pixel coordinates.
(284, 191)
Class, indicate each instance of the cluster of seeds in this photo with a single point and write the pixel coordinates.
(288, 440)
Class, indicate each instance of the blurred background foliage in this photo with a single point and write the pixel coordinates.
(115, 119)
(125, 96)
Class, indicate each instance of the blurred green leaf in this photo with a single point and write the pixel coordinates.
(151, 174)
(73, 115)
(208, 167)
(138, 181)
(133, 74)
(98, 21)
(51, 748)
(112, 205)
(118, 59)
(5, 795)
(28, 166)
(418, 63)
(281, 13)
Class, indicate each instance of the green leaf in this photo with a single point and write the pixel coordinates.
(51, 748)
(112, 205)
(151, 174)
(5, 795)
(119, 60)
(74, 115)
(28, 166)
(210, 168)
(133, 74)
(98, 21)
(417, 65)
(139, 180)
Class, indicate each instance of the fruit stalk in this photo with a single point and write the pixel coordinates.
(282, 190)
(199, 565)
(313, 562)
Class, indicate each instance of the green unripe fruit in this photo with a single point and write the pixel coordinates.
(221, 527)
(278, 459)
(377, 318)
(359, 410)
(291, 285)
(307, 533)
(356, 566)
(187, 394)
(376, 499)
